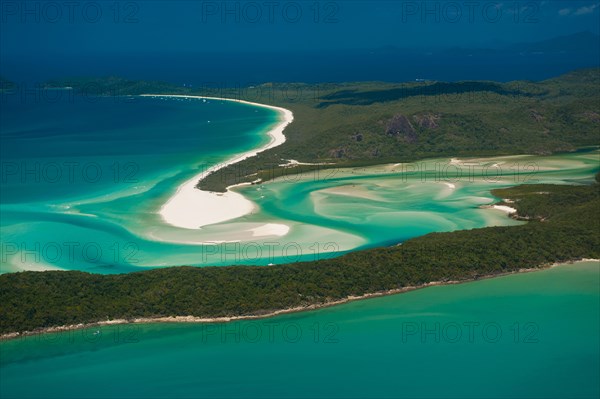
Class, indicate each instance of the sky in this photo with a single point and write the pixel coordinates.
(97, 27)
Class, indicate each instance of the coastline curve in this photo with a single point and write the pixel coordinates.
(192, 208)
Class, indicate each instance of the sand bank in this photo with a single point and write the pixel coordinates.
(191, 208)
(505, 208)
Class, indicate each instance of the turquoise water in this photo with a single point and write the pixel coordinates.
(79, 147)
(532, 335)
(83, 180)
(125, 155)
(387, 204)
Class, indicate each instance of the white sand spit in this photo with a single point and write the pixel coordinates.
(190, 208)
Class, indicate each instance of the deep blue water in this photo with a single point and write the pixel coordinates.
(62, 145)
(243, 69)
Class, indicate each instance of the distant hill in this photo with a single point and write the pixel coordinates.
(6, 84)
(582, 43)
(370, 123)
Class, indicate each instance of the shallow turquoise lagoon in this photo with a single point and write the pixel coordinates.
(83, 180)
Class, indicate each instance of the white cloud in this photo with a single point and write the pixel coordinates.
(564, 11)
(586, 9)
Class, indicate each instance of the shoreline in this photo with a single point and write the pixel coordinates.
(297, 309)
(192, 208)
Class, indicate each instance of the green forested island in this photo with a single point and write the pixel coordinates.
(563, 225)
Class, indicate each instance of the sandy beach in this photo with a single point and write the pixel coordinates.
(191, 208)
(505, 208)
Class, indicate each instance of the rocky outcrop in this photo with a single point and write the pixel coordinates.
(337, 153)
(427, 121)
(401, 128)
(536, 116)
(592, 116)
(357, 137)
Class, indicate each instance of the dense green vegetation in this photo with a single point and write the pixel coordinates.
(353, 124)
(564, 225)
